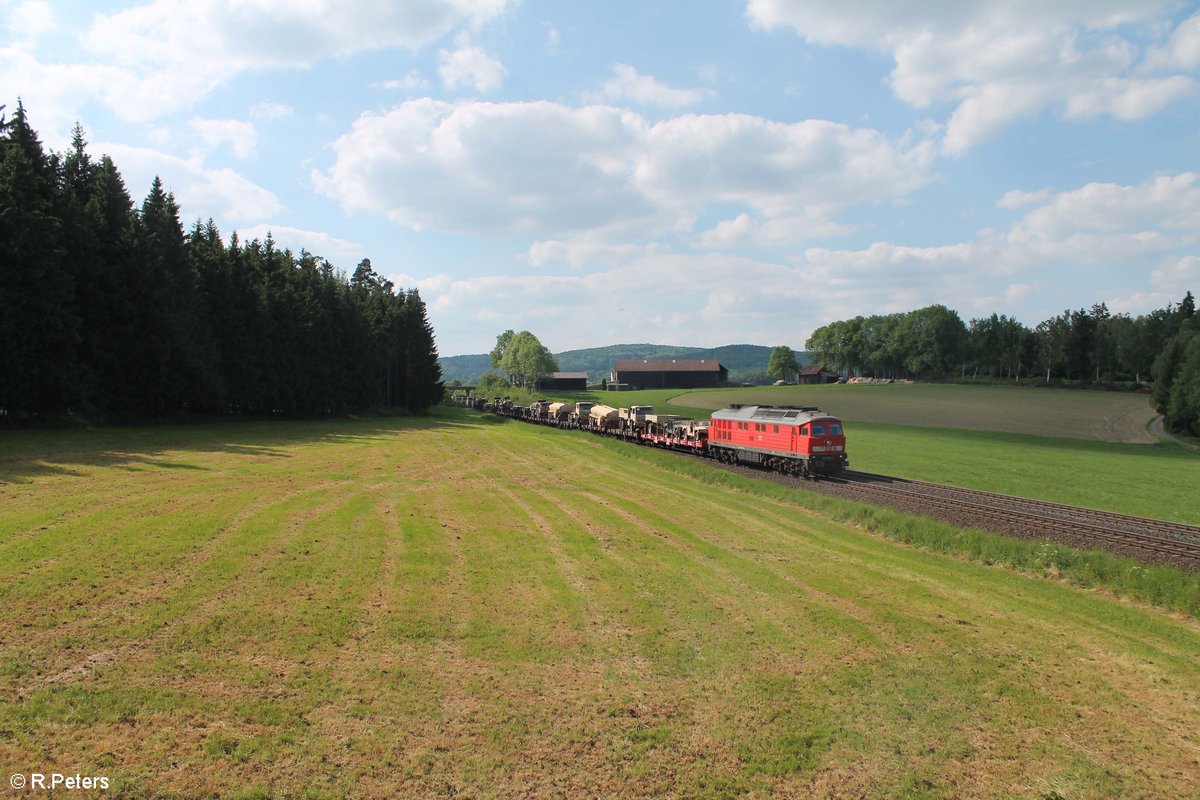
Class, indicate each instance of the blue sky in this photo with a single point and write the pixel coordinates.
(698, 173)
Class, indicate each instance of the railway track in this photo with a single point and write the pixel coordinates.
(1170, 541)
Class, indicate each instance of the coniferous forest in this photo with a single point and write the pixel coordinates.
(112, 313)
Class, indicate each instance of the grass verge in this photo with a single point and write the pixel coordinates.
(1161, 585)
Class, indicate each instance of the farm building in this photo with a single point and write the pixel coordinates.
(816, 373)
(564, 382)
(672, 373)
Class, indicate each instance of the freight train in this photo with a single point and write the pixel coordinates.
(805, 442)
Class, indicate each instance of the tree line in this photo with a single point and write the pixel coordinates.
(113, 313)
(1085, 346)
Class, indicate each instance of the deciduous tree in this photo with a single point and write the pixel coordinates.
(782, 362)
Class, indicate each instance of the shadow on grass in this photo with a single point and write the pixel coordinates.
(26, 455)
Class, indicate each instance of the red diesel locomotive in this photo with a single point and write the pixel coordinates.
(799, 441)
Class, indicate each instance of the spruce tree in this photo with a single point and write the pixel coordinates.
(423, 373)
(38, 325)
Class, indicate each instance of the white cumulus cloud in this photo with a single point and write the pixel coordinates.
(553, 171)
(27, 21)
(1017, 198)
(997, 61)
(469, 66)
(1152, 227)
(411, 80)
(491, 168)
(242, 137)
(269, 110)
(342, 253)
(1182, 51)
(200, 191)
(165, 55)
(631, 86)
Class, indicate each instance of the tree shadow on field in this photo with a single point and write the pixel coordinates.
(26, 455)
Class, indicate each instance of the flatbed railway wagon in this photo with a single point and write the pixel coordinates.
(561, 414)
(675, 433)
(796, 441)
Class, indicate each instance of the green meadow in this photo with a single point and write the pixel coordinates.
(461, 606)
(1158, 481)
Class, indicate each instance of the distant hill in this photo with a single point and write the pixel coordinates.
(747, 363)
(465, 369)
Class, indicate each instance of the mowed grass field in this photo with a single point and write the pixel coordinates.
(458, 606)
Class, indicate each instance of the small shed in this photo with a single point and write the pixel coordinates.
(816, 373)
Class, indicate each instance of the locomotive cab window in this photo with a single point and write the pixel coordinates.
(804, 431)
(835, 428)
(818, 429)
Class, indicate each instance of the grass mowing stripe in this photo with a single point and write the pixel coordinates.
(312, 595)
(227, 568)
(692, 567)
(503, 559)
(427, 577)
